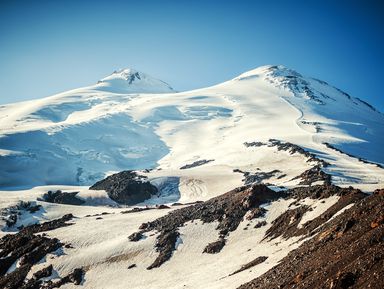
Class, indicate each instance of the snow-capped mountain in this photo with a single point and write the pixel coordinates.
(132, 81)
(77, 137)
(232, 185)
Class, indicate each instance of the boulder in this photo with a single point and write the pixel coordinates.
(127, 188)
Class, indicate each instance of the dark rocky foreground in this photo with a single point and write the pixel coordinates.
(345, 252)
(11, 214)
(126, 188)
(28, 249)
(228, 209)
(286, 225)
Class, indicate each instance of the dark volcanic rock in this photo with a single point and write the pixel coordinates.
(126, 187)
(256, 213)
(254, 144)
(165, 245)
(251, 264)
(135, 210)
(10, 215)
(346, 252)
(228, 209)
(47, 226)
(321, 192)
(260, 224)
(292, 149)
(76, 277)
(259, 177)
(16, 245)
(60, 197)
(289, 147)
(45, 272)
(286, 225)
(98, 215)
(135, 236)
(29, 249)
(196, 164)
(308, 177)
(15, 280)
(215, 247)
(312, 175)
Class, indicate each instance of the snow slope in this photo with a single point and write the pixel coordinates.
(192, 145)
(101, 246)
(131, 121)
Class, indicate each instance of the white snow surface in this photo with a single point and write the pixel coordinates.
(101, 246)
(130, 120)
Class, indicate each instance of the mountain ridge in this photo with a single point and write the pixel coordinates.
(110, 185)
(101, 129)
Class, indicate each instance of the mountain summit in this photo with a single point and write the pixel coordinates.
(126, 122)
(132, 81)
(260, 177)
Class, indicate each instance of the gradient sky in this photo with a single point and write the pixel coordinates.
(48, 47)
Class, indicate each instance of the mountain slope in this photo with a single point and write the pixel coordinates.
(261, 237)
(79, 136)
(236, 184)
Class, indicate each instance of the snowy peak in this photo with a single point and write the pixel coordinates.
(132, 81)
(132, 121)
(307, 88)
(128, 74)
(267, 70)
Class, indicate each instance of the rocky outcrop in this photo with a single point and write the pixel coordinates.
(251, 264)
(286, 225)
(228, 210)
(135, 210)
(215, 247)
(59, 197)
(126, 188)
(28, 249)
(76, 277)
(344, 252)
(135, 237)
(308, 177)
(259, 177)
(195, 164)
(11, 214)
(296, 83)
(43, 273)
(290, 148)
(165, 245)
(312, 175)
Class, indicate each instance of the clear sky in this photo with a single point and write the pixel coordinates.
(48, 47)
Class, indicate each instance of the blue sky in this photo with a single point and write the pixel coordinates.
(48, 47)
